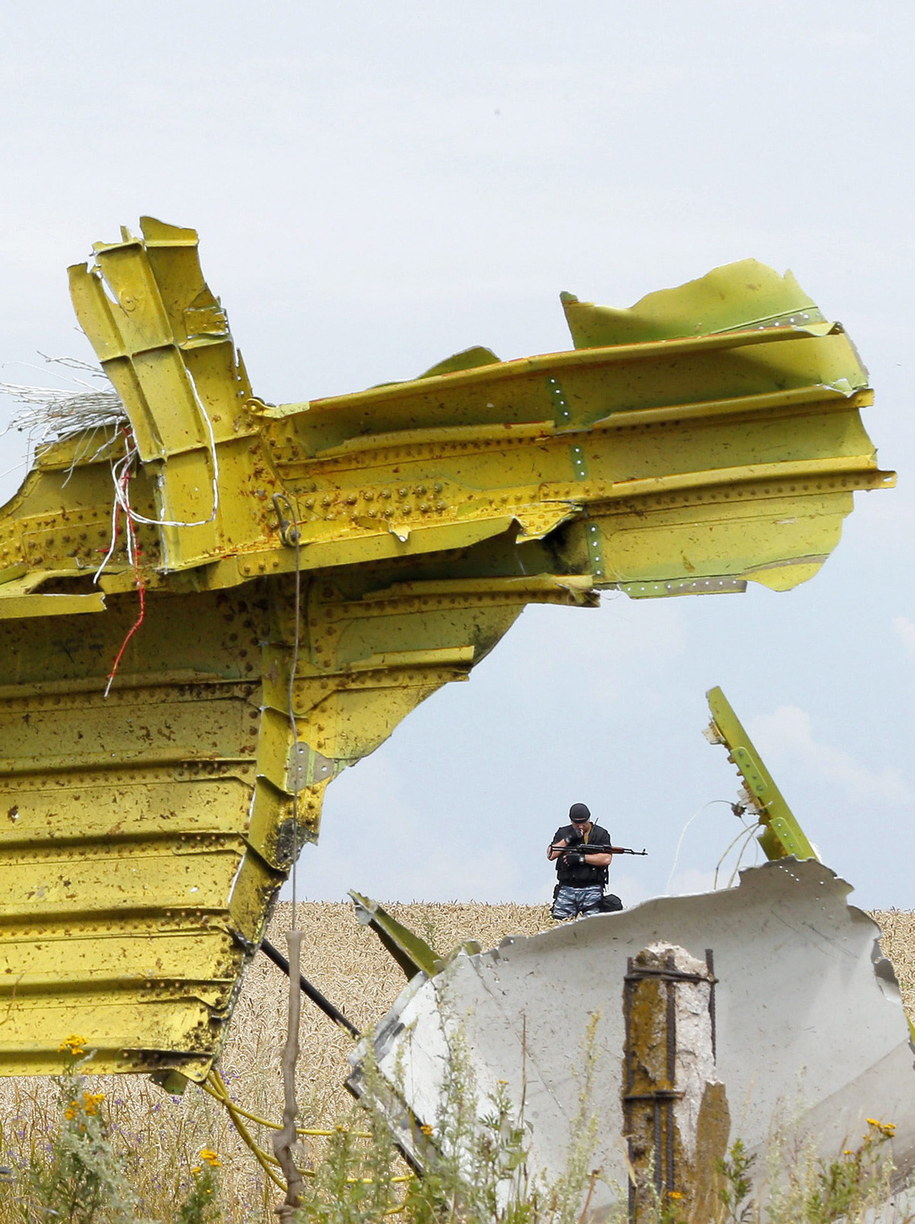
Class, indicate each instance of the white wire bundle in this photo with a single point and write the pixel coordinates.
(53, 413)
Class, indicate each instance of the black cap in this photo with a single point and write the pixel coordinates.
(579, 813)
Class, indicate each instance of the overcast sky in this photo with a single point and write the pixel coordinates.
(377, 186)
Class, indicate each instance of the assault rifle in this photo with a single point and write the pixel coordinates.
(576, 848)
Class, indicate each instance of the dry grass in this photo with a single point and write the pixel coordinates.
(898, 943)
(346, 962)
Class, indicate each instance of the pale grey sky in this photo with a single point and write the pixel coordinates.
(377, 186)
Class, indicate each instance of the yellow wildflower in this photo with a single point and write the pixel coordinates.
(208, 1156)
(426, 1129)
(675, 1194)
(74, 1046)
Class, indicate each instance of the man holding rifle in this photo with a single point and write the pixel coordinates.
(583, 852)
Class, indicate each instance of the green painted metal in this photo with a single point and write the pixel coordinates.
(413, 954)
(781, 833)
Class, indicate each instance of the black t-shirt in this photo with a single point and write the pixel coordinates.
(581, 875)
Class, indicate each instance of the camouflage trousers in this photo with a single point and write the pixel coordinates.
(569, 902)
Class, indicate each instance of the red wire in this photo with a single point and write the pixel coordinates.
(141, 591)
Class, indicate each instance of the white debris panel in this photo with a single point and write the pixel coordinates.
(811, 1037)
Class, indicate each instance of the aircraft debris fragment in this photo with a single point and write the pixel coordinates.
(810, 1038)
(211, 605)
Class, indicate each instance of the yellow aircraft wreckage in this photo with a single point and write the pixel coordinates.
(210, 605)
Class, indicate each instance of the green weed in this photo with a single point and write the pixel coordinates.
(75, 1167)
(72, 1167)
(807, 1189)
(735, 1184)
(76, 1175)
(202, 1203)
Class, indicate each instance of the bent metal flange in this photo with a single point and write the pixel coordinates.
(211, 605)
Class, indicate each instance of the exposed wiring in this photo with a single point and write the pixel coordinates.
(141, 616)
(54, 414)
(133, 555)
(215, 1086)
(115, 507)
(743, 836)
(750, 830)
(81, 456)
(133, 452)
(683, 832)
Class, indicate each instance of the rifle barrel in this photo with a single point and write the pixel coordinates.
(598, 848)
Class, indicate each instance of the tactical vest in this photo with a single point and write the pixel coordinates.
(581, 875)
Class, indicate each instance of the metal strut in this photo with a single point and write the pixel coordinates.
(310, 991)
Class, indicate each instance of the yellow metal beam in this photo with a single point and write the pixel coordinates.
(781, 833)
(213, 605)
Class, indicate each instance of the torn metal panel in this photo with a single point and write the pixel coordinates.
(413, 954)
(811, 1038)
(781, 832)
(281, 585)
(749, 475)
(740, 296)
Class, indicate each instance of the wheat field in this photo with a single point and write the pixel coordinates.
(347, 963)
